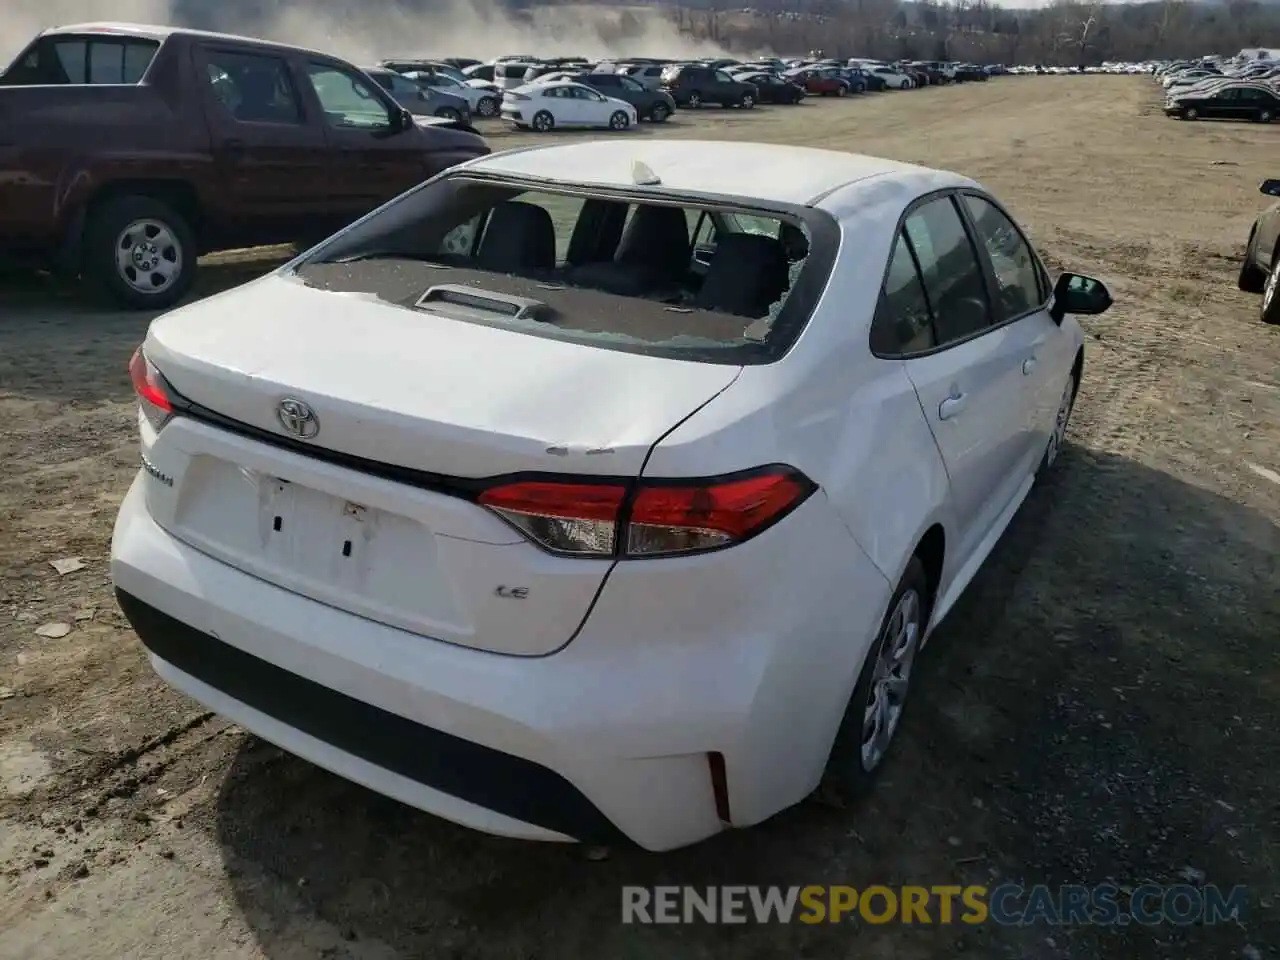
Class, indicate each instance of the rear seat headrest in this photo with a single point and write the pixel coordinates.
(658, 238)
(519, 237)
(748, 273)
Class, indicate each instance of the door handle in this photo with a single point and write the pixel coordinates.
(1028, 365)
(951, 406)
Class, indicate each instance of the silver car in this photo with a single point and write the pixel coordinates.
(418, 100)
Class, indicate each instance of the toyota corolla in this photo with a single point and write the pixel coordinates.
(603, 491)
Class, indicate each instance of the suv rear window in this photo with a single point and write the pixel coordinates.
(714, 282)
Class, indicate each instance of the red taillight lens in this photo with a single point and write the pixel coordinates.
(149, 387)
(657, 518)
(683, 518)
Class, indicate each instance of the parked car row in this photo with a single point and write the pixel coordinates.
(1220, 88)
(568, 92)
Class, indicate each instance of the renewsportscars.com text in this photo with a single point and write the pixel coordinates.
(1005, 905)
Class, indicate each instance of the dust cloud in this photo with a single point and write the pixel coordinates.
(364, 34)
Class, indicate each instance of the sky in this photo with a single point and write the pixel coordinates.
(357, 33)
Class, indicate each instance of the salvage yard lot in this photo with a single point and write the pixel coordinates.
(1101, 706)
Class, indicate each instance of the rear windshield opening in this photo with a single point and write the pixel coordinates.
(712, 282)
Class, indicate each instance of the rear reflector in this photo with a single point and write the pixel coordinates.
(650, 518)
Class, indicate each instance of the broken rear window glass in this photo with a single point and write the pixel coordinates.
(711, 282)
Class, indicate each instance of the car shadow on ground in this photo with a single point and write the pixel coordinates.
(1082, 715)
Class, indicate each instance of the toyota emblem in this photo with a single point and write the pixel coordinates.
(297, 418)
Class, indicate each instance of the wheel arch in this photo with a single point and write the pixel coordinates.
(176, 193)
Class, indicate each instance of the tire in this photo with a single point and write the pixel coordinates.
(1190, 113)
(695, 99)
(850, 770)
(488, 107)
(747, 102)
(1059, 436)
(618, 120)
(448, 113)
(659, 113)
(125, 236)
(842, 91)
(1265, 116)
(543, 121)
(1251, 280)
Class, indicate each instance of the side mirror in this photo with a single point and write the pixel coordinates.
(1270, 187)
(1085, 296)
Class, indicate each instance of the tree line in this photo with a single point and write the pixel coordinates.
(1065, 33)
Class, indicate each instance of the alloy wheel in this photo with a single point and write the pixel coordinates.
(891, 679)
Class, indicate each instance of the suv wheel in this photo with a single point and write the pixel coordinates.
(140, 252)
(747, 101)
(659, 113)
(695, 99)
(487, 107)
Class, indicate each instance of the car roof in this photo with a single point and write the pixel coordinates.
(162, 33)
(797, 175)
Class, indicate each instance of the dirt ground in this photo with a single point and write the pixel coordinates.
(1101, 706)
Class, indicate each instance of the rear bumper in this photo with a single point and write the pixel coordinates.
(320, 722)
(604, 741)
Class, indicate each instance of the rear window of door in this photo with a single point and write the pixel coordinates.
(253, 88)
(903, 324)
(950, 269)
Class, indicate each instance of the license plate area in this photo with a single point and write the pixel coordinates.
(370, 561)
(318, 535)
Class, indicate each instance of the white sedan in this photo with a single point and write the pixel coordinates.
(545, 106)
(893, 79)
(619, 501)
(484, 99)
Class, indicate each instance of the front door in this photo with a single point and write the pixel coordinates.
(970, 384)
(371, 161)
(271, 158)
(1022, 299)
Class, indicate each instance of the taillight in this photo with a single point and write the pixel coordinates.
(150, 388)
(650, 518)
(514, 96)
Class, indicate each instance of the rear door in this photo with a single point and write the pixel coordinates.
(272, 160)
(370, 161)
(970, 381)
(726, 88)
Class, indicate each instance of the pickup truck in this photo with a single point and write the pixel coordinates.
(128, 151)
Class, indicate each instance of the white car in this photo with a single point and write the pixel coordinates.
(484, 99)
(893, 79)
(602, 492)
(544, 106)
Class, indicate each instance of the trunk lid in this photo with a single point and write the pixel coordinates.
(412, 390)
